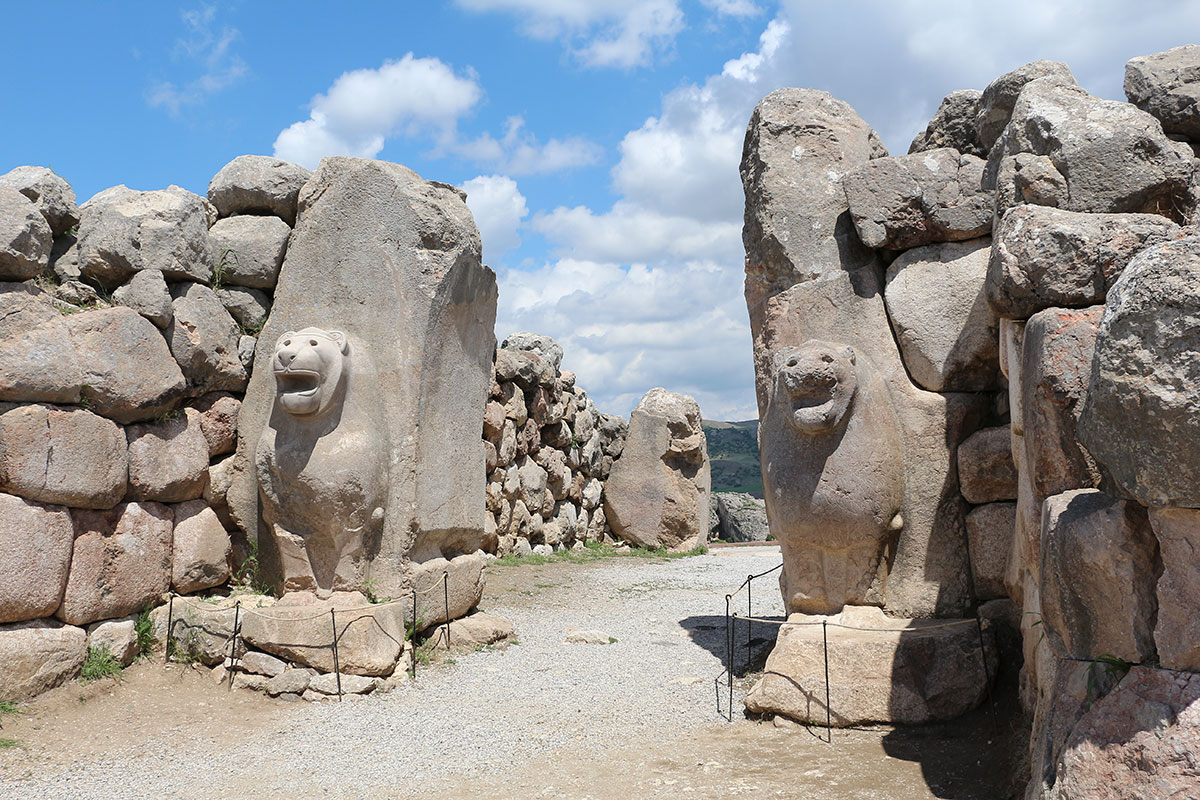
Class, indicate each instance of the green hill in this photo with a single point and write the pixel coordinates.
(733, 452)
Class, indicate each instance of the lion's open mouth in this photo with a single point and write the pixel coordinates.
(301, 382)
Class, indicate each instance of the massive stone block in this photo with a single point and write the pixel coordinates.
(37, 359)
(204, 340)
(51, 194)
(378, 366)
(168, 460)
(200, 548)
(35, 553)
(249, 249)
(256, 185)
(995, 106)
(25, 237)
(1167, 85)
(38, 655)
(1177, 628)
(986, 470)
(1141, 419)
(657, 494)
(953, 125)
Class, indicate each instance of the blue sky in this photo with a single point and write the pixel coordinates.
(598, 139)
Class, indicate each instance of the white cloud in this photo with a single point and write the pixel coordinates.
(499, 208)
(520, 153)
(365, 107)
(210, 49)
(600, 33)
(630, 232)
(733, 8)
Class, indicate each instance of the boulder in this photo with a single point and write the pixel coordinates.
(128, 372)
(986, 470)
(474, 630)
(52, 195)
(201, 628)
(1177, 627)
(533, 483)
(293, 681)
(1138, 741)
(543, 347)
(657, 495)
(1098, 576)
(331, 684)
(37, 360)
(35, 554)
(204, 340)
(881, 669)
(249, 250)
(248, 307)
(220, 476)
(1068, 149)
(201, 551)
(62, 455)
(25, 237)
(218, 421)
(64, 258)
(990, 530)
(613, 430)
(525, 368)
(38, 655)
(168, 460)
(122, 231)
(741, 517)
(995, 107)
(1141, 418)
(1046, 257)
(1055, 366)
(947, 332)
(121, 562)
(953, 125)
(258, 185)
(263, 664)
(146, 292)
(1165, 84)
(118, 636)
(908, 201)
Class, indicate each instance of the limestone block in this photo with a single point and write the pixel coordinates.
(986, 470)
(543, 346)
(474, 630)
(947, 332)
(524, 367)
(1177, 628)
(991, 528)
(37, 360)
(51, 194)
(168, 460)
(249, 250)
(118, 636)
(64, 258)
(121, 562)
(62, 455)
(25, 237)
(256, 185)
(998, 99)
(1046, 257)
(38, 655)
(513, 399)
(218, 421)
(493, 421)
(204, 340)
(146, 293)
(1097, 576)
(953, 125)
(128, 372)
(248, 307)
(657, 495)
(35, 554)
(122, 231)
(246, 346)
(263, 664)
(1167, 85)
(533, 483)
(201, 551)
(881, 669)
(1055, 365)
(1141, 418)
(220, 476)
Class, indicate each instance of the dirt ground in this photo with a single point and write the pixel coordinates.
(966, 759)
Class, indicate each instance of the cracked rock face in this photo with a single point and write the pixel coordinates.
(1167, 85)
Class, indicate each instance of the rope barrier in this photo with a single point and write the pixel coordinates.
(781, 623)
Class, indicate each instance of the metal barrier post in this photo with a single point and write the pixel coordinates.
(237, 612)
(732, 628)
(729, 656)
(828, 713)
(446, 597)
(337, 670)
(749, 622)
(412, 639)
(170, 619)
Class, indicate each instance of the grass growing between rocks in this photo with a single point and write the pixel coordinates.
(98, 664)
(7, 743)
(594, 551)
(143, 631)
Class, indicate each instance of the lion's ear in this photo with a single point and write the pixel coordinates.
(283, 338)
(850, 356)
(340, 338)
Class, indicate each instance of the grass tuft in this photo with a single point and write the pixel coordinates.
(594, 551)
(98, 664)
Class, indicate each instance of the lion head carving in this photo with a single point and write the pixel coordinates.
(816, 382)
(308, 366)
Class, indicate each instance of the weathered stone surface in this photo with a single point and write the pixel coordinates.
(404, 386)
(168, 460)
(1098, 576)
(62, 455)
(741, 517)
(25, 237)
(248, 307)
(146, 292)
(1167, 85)
(35, 553)
(204, 340)
(908, 201)
(524, 367)
(1137, 742)
(990, 529)
(543, 347)
(657, 495)
(473, 630)
(953, 125)
(249, 250)
(220, 476)
(289, 680)
(1177, 628)
(128, 372)
(996, 104)
(37, 360)
(1068, 149)
(247, 345)
(201, 629)
(947, 332)
(1141, 419)
(1055, 365)
(262, 664)
(122, 231)
(118, 636)
(1046, 257)
(897, 670)
(38, 655)
(51, 194)
(218, 421)
(257, 185)
(200, 555)
(350, 684)
(121, 562)
(986, 470)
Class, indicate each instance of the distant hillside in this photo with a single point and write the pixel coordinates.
(733, 451)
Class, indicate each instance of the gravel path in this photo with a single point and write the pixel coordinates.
(487, 713)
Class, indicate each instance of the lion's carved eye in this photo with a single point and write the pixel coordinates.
(792, 362)
(287, 343)
(312, 342)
